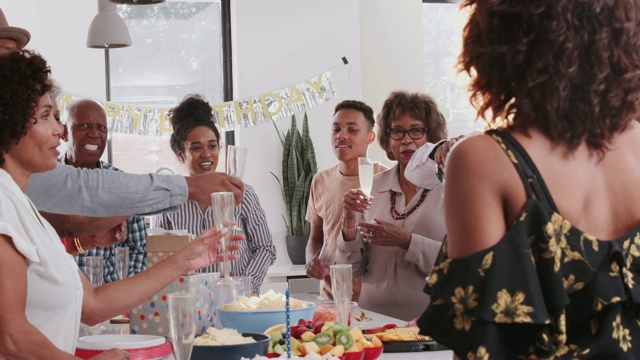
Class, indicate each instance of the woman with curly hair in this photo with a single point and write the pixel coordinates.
(44, 295)
(543, 213)
(396, 252)
(196, 142)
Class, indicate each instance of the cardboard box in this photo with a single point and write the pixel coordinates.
(151, 318)
(159, 247)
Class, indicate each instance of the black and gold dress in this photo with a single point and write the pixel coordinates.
(546, 290)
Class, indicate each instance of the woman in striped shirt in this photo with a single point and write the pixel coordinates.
(196, 143)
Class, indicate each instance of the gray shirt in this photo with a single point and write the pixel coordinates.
(97, 192)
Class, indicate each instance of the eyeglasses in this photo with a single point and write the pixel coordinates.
(414, 133)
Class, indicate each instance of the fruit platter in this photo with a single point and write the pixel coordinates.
(307, 337)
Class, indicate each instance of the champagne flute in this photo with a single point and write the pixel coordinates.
(342, 287)
(182, 324)
(122, 262)
(365, 174)
(226, 290)
(223, 216)
(236, 158)
(93, 269)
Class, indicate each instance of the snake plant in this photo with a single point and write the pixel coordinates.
(298, 168)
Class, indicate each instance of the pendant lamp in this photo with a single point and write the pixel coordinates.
(108, 30)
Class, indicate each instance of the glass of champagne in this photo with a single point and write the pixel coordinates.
(365, 174)
(182, 324)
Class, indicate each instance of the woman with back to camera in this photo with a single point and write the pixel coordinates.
(543, 214)
(44, 295)
(396, 252)
(196, 142)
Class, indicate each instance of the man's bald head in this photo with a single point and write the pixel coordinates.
(86, 122)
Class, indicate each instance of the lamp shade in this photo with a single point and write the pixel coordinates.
(138, 2)
(108, 30)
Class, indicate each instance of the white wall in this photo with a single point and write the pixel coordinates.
(282, 42)
(276, 43)
(59, 32)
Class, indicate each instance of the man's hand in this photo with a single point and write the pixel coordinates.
(201, 186)
(316, 269)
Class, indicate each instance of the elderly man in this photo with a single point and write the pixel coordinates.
(110, 193)
(86, 126)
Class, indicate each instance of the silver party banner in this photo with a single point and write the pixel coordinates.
(232, 115)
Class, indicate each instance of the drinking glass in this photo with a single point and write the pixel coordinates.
(225, 291)
(247, 285)
(182, 324)
(342, 287)
(236, 156)
(365, 174)
(122, 262)
(94, 270)
(224, 205)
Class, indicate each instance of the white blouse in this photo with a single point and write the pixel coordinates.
(54, 289)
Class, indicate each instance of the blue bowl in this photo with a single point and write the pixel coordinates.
(233, 352)
(259, 321)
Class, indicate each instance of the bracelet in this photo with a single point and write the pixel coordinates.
(76, 241)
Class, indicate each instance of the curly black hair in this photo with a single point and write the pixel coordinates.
(192, 112)
(365, 109)
(24, 78)
(420, 106)
(568, 67)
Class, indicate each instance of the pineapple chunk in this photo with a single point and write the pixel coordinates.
(375, 341)
(358, 344)
(337, 350)
(308, 348)
(356, 333)
(325, 349)
(327, 325)
(364, 342)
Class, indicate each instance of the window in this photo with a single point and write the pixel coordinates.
(442, 28)
(178, 49)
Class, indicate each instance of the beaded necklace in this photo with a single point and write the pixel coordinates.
(396, 215)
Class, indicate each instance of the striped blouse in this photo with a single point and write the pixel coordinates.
(257, 252)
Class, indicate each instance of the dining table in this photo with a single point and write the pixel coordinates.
(371, 320)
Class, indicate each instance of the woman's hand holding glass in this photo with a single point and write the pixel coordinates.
(384, 234)
(355, 201)
(204, 250)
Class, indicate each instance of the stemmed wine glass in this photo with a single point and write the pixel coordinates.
(182, 324)
(365, 173)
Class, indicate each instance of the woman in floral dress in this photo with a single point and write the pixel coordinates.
(543, 214)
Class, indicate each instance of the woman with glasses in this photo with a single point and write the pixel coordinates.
(395, 251)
